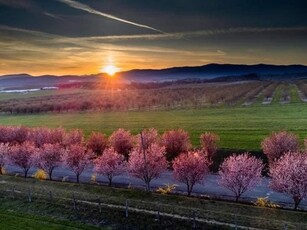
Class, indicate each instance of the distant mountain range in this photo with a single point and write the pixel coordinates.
(211, 71)
(18, 81)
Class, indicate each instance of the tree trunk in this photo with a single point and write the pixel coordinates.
(110, 181)
(147, 186)
(237, 198)
(50, 175)
(189, 189)
(26, 172)
(78, 178)
(296, 202)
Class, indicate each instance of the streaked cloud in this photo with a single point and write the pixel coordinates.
(80, 36)
(52, 15)
(56, 54)
(191, 34)
(89, 9)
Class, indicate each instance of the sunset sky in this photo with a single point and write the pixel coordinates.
(84, 36)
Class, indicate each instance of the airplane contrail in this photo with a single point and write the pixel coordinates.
(80, 6)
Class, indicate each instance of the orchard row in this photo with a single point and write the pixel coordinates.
(147, 155)
(170, 97)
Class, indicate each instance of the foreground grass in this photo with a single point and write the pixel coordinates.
(239, 127)
(87, 208)
(12, 220)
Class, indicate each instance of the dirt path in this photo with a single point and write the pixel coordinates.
(267, 101)
(165, 214)
(303, 99)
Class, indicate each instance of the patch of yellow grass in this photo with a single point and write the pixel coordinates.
(40, 174)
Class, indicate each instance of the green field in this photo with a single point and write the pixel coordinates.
(239, 127)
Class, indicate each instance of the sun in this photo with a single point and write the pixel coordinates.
(110, 70)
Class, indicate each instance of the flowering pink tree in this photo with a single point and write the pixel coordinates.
(49, 157)
(77, 158)
(97, 142)
(208, 143)
(190, 168)
(289, 176)
(23, 156)
(240, 173)
(110, 164)
(175, 142)
(43, 135)
(4, 151)
(6, 134)
(57, 136)
(74, 137)
(21, 134)
(40, 136)
(122, 142)
(150, 136)
(147, 164)
(14, 134)
(278, 144)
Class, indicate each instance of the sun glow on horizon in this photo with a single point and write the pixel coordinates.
(111, 70)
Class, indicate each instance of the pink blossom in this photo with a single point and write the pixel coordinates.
(77, 158)
(40, 136)
(240, 173)
(110, 164)
(122, 142)
(208, 143)
(289, 176)
(150, 136)
(4, 152)
(147, 164)
(49, 157)
(74, 137)
(175, 142)
(21, 134)
(7, 134)
(23, 156)
(57, 136)
(43, 135)
(190, 168)
(97, 142)
(13, 134)
(278, 144)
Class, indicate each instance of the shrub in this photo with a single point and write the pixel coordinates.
(40, 175)
(265, 202)
(167, 189)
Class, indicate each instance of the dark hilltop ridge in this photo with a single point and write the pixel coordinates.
(210, 72)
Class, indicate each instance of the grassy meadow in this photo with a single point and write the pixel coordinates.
(12, 220)
(239, 127)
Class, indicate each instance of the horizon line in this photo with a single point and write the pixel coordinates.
(153, 69)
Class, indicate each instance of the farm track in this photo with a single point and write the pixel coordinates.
(165, 214)
(285, 95)
(268, 93)
(253, 96)
(302, 90)
(155, 212)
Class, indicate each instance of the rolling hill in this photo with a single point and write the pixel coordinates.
(221, 72)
